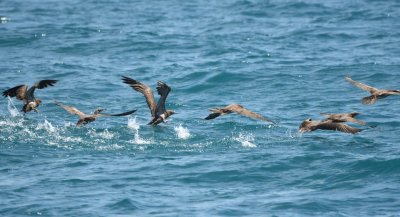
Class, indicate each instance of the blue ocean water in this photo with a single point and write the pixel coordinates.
(283, 59)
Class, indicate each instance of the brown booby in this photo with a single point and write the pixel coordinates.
(158, 112)
(22, 92)
(311, 125)
(235, 108)
(375, 92)
(87, 118)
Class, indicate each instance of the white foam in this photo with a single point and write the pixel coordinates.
(246, 140)
(69, 124)
(109, 147)
(11, 124)
(106, 134)
(133, 124)
(182, 132)
(47, 126)
(12, 109)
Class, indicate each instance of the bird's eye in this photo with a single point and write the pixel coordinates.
(309, 119)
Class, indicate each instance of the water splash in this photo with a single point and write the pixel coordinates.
(106, 134)
(133, 124)
(182, 132)
(246, 140)
(47, 126)
(12, 109)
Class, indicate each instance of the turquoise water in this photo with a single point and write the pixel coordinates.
(283, 59)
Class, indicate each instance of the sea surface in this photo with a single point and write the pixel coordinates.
(284, 59)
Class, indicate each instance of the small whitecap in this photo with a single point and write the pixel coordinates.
(70, 139)
(69, 124)
(246, 140)
(182, 132)
(141, 141)
(109, 147)
(12, 124)
(106, 134)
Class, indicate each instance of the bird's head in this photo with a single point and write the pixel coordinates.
(305, 126)
(38, 101)
(98, 111)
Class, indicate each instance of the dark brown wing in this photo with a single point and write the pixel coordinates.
(213, 115)
(243, 111)
(45, 83)
(39, 85)
(329, 125)
(163, 90)
(122, 114)
(145, 90)
(71, 110)
(361, 85)
(18, 91)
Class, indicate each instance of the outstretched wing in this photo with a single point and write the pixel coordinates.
(17, 91)
(213, 115)
(122, 114)
(361, 85)
(163, 90)
(70, 109)
(39, 85)
(243, 111)
(393, 92)
(145, 90)
(329, 125)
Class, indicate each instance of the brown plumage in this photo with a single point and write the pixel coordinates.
(85, 118)
(375, 93)
(344, 117)
(311, 125)
(235, 108)
(26, 95)
(158, 111)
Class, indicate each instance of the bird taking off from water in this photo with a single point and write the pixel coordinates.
(158, 112)
(375, 93)
(235, 108)
(22, 92)
(85, 118)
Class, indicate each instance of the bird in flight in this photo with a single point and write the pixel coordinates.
(375, 92)
(235, 108)
(26, 95)
(87, 118)
(311, 125)
(158, 111)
